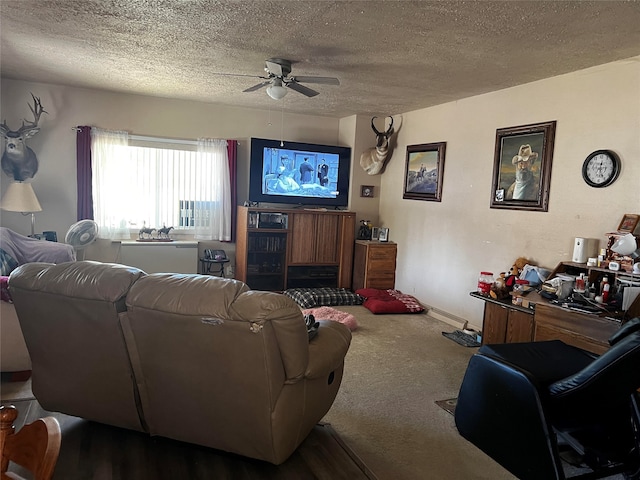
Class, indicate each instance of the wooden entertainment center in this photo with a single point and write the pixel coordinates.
(277, 249)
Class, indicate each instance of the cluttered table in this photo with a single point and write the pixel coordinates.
(575, 320)
(541, 320)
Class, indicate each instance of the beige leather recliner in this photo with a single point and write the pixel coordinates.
(208, 361)
(70, 318)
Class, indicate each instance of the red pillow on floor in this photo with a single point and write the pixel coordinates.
(385, 305)
(389, 301)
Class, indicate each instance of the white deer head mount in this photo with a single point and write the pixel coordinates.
(18, 161)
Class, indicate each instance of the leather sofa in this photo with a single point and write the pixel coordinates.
(16, 249)
(194, 358)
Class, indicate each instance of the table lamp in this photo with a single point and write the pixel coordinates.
(627, 245)
(20, 197)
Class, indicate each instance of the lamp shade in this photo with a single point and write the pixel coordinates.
(20, 197)
(626, 245)
(276, 90)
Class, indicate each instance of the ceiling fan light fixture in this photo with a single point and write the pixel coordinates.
(276, 90)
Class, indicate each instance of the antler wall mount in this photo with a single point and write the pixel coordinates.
(19, 162)
(374, 159)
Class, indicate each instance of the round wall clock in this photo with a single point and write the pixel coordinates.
(601, 168)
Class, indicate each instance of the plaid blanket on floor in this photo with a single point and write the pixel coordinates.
(312, 297)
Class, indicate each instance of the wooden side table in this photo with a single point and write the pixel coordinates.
(374, 265)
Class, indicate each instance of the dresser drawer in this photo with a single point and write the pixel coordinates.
(387, 264)
(374, 265)
(382, 282)
(382, 253)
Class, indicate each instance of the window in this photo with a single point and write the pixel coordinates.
(186, 187)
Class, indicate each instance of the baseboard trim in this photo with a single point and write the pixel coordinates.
(445, 317)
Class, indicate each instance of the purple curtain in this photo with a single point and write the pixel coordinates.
(83, 173)
(232, 153)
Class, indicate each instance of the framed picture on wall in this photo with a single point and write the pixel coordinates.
(423, 171)
(366, 190)
(628, 223)
(522, 167)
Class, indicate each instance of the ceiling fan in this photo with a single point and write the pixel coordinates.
(279, 79)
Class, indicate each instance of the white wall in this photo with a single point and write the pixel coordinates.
(442, 246)
(55, 144)
(356, 131)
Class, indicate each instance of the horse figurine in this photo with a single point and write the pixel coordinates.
(164, 232)
(146, 233)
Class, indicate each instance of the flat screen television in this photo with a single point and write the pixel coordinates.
(299, 173)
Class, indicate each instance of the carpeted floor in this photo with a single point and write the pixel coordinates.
(398, 366)
(449, 405)
(396, 370)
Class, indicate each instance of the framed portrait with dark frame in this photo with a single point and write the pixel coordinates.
(383, 234)
(366, 191)
(628, 223)
(522, 167)
(423, 171)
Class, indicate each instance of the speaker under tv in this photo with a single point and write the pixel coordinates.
(296, 173)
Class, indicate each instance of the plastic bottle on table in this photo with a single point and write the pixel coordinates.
(605, 292)
(605, 281)
(518, 291)
(485, 280)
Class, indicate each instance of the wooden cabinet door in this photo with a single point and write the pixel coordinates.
(494, 325)
(327, 237)
(303, 239)
(344, 248)
(359, 266)
(314, 239)
(519, 327)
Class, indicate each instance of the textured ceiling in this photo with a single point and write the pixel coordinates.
(390, 56)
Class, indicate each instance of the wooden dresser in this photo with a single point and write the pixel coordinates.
(374, 265)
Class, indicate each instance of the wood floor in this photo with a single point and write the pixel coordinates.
(92, 451)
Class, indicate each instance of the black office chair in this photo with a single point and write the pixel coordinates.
(525, 404)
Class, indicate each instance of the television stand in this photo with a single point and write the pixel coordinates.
(278, 249)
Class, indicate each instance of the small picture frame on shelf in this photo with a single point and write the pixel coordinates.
(375, 234)
(383, 235)
(628, 223)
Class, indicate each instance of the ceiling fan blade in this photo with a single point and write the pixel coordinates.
(276, 69)
(293, 85)
(257, 87)
(236, 75)
(322, 80)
